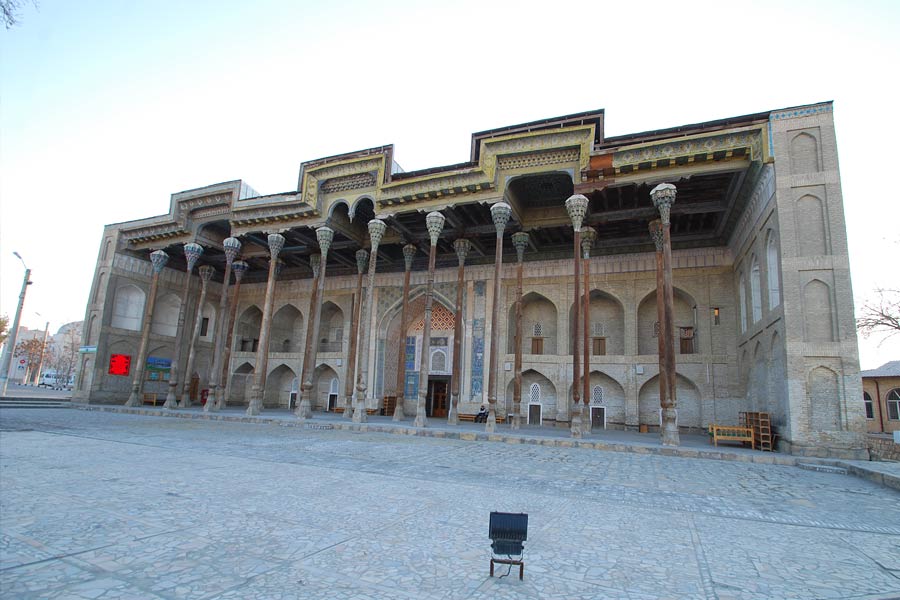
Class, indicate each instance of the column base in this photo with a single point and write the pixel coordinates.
(133, 400)
(185, 401)
(668, 433)
(398, 410)
(421, 420)
(577, 431)
(453, 415)
(359, 413)
(171, 401)
(304, 410)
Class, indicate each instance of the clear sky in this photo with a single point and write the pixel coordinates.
(107, 108)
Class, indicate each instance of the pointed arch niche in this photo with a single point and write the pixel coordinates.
(648, 342)
(539, 316)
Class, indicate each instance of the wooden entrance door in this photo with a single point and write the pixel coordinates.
(437, 393)
(598, 417)
(194, 390)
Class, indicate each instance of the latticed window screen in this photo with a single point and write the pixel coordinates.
(597, 395)
(538, 329)
(441, 319)
(597, 329)
(334, 386)
(438, 361)
(534, 393)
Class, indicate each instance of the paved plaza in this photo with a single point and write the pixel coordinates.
(104, 505)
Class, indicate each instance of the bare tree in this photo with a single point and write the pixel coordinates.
(880, 314)
(65, 353)
(10, 11)
(4, 328)
(31, 351)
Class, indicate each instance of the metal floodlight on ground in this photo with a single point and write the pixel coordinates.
(507, 532)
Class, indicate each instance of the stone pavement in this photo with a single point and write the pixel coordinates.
(97, 504)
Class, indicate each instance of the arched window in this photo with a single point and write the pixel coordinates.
(742, 294)
(870, 408)
(534, 393)
(755, 293)
(893, 403)
(334, 386)
(438, 361)
(772, 272)
(597, 395)
(538, 329)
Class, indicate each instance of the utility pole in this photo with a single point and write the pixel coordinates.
(14, 331)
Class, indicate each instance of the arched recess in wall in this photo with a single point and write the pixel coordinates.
(209, 315)
(128, 308)
(546, 395)
(613, 397)
(777, 384)
(442, 321)
(362, 210)
(823, 396)
(606, 331)
(742, 302)
(817, 312)
(286, 333)
(804, 154)
(278, 387)
(91, 330)
(755, 290)
(165, 315)
(773, 270)
(248, 326)
(648, 342)
(331, 328)
(241, 384)
(757, 381)
(539, 317)
(324, 378)
(812, 227)
(687, 397)
(107, 246)
(98, 291)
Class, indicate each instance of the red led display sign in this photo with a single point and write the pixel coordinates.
(119, 364)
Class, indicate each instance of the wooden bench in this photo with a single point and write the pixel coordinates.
(471, 418)
(729, 433)
(153, 399)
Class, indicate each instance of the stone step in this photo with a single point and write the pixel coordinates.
(823, 468)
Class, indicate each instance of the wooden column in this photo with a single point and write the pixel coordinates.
(276, 243)
(587, 240)
(435, 224)
(159, 260)
(577, 207)
(192, 252)
(663, 197)
(520, 241)
(462, 247)
(409, 252)
(304, 409)
(656, 232)
(350, 376)
(238, 268)
(500, 214)
(206, 272)
(315, 263)
(376, 231)
(232, 246)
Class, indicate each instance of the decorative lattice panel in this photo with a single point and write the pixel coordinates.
(538, 329)
(534, 393)
(441, 319)
(597, 395)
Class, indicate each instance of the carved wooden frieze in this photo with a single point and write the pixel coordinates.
(750, 140)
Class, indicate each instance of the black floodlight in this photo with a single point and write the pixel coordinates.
(507, 532)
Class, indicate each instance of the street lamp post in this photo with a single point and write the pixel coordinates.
(37, 377)
(14, 331)
(577, 207)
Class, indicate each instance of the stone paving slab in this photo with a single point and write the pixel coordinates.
(98, 504)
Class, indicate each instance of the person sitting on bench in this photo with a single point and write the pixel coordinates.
(482, 415)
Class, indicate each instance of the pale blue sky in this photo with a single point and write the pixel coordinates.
(107, 108)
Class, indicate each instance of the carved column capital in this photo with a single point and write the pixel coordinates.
(663, 197)
(520, 243)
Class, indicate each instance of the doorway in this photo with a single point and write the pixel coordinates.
(598, 417)
(437, 403)
(535, 414)
(194, 389)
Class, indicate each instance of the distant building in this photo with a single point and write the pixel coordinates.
(881, 397)
(763, 307)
